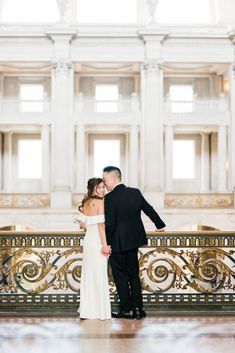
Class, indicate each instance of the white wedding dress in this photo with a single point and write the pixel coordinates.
(94, 288)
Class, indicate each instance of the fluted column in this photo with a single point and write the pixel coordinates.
(45, 137)
(222, 136)
(7, 162)
(80, 159)
(133, 156)
(169, 136)
(153, 129)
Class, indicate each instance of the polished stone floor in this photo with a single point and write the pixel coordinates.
(163, 334)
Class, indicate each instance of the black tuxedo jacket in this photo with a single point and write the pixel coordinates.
(124, 227)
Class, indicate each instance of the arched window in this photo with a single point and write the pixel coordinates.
(30, 11)
(184, 11)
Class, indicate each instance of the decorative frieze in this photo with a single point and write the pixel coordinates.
(199, 200)
(24, 200)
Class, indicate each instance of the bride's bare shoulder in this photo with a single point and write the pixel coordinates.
(94, 206)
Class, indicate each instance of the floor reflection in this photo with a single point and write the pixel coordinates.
(153, 334)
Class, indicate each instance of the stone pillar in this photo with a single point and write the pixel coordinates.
(46, 160)
(153, 129)
(1, 92)
(80, 159)
(222, 152)
(133, 156)
(1, 160)
(62, 105)
(205, 182)
(62, 131)
(7, 162)
(231, 137)
(169, 137)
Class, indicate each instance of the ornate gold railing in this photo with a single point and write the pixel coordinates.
(178, 270)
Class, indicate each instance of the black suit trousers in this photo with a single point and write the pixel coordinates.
(125, 269)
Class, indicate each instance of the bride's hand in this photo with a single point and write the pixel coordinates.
(106, 250)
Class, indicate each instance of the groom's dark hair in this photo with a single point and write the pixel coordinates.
(112, 169)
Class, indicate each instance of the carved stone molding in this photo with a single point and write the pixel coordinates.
(62, 68)
(24, 200)
(152, 67)
(231, 35)
(199, 200)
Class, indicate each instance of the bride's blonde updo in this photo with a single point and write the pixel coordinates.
(92, 185)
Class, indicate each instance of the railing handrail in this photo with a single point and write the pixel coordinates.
(149, 233)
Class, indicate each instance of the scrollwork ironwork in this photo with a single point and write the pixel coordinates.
(175, 268)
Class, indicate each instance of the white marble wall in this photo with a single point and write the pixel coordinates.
(151, 59)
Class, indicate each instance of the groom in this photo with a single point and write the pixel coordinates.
(125, 234)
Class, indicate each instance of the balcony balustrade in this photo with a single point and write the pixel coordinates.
(9, 106)
(40, 271)
(198, 106)
(122, 105)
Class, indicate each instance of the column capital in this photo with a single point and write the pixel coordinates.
(231, 35)
(152, 66)
(62, 67)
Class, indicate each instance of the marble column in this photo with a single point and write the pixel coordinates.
(80, 159)
(231, 140)
(222, 153)
(133, 156)
(46, 160)
(1, 161)
(169, 136)
(62, 134)
(1, 92)
(153, 128)
(7, 162)
(231, 137)
(205, 170)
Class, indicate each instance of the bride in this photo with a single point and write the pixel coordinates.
(94, 289)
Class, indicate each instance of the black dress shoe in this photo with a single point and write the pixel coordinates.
(122, 314)
(138, 313)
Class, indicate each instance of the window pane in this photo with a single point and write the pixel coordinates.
(106, 152)
(106, 98)
(30, 11)
(183, 159)
(107, 11)
(31, 97)
(30, 159)
(184, 11)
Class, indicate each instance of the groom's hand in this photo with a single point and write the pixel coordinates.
(160, 230)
